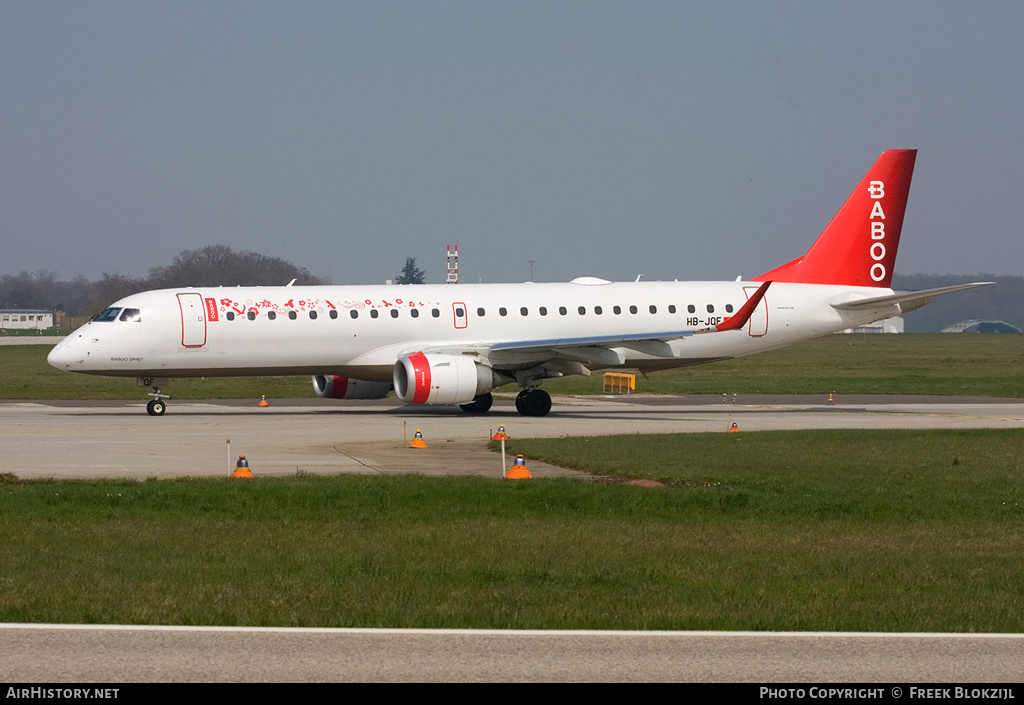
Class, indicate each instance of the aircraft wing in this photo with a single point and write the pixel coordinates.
(597, 349)
(908, 301)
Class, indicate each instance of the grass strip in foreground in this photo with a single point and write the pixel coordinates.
(830, 530)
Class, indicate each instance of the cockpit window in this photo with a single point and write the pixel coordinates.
(131, 314)
(109, 315)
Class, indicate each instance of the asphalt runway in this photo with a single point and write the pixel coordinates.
(118, 439)
(80, 654)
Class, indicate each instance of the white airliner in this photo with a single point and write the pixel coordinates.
(444, 344)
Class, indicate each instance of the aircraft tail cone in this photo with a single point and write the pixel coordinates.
(263, 401)
(518, 471)
(242, 468)
(500, 435)
(734, 428)
(417, 441)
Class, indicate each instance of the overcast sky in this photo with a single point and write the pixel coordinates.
(675, 140)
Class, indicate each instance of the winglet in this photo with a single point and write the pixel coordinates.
(742, 316)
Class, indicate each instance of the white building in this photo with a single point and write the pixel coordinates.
(888, 325)
(25, 319)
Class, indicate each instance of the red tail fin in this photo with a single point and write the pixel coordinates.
(858, 248)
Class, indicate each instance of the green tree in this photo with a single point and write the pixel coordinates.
(411, 274)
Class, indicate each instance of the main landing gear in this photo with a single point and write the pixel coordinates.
(530, 402)
(533, 402)
(480, 405)
(156, 407)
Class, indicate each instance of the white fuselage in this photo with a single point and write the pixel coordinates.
(361, 331)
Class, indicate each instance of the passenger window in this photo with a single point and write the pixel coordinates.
(459, 312)
(671, 308)
(353, 313)
(271, 315)
(312, 315)
(616, 310)
(582, 310)
(292, 315)
(251, 315)
(394, 312)
(691, 308)
(435, 313)
(543, 311)
(597, 310)
(728, 308)
(230, 315)
(373, 313)
(632, 309)
(333, 313)
(480, 312)
(524, 311)
(502, 311)
(562, 311)
(415, 312)
(711, 308)
(653, 309)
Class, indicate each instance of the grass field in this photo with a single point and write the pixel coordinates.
(830, 530)
(976, 365)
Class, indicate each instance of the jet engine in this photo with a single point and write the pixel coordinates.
(338, 387)
(442, 379)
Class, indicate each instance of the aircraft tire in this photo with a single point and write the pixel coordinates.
(533, 402)
(521, 402)
(538, 403)
(156, 407)
(480, 405)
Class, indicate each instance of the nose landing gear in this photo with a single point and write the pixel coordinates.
(156, 406)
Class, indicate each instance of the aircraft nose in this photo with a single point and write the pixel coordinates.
(62, 355)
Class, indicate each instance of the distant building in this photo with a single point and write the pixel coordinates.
(974, 326)
(889, 325)
(25, 319)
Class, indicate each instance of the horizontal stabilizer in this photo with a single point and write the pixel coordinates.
(908, 301)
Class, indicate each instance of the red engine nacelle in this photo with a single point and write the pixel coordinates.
(441, 379)
(338, 387)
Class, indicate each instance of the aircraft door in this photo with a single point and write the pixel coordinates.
(193, 320)
(758, 323)
(461, 316)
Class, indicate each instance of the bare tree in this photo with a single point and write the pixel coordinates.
(219, 265)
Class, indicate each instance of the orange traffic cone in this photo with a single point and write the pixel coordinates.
(500, 435)
(242, 468)
(518, 471)
(734, 428)
(417, 441)
(263, 401)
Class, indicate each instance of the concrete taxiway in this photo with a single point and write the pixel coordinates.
(203, 439)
